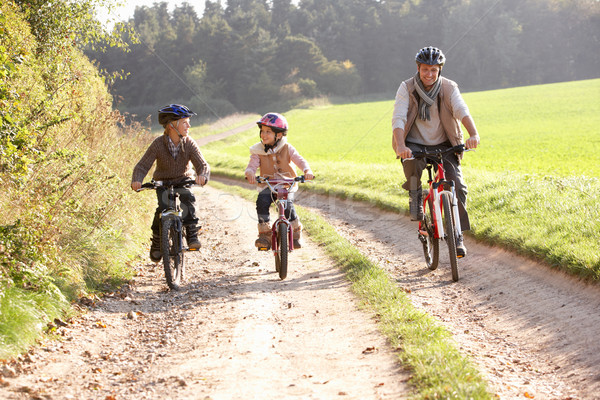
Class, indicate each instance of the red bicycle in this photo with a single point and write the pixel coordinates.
(440, 210)
(281, 237)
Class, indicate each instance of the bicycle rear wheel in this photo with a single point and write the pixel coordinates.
(450, 239)
(431, 244)
(281, 255)
(172, 251)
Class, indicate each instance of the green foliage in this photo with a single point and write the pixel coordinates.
(68, 227)
(531, 188)
(23, 315)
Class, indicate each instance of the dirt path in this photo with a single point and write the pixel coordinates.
(237, 331)
(234, 331)
(533, 331)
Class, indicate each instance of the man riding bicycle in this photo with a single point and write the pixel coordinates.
(426, 116)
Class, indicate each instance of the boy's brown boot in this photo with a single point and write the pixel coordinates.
(297, 233)
(192, 238)
(264, 237)
(155, 253)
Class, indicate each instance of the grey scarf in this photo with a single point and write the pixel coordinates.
(426, 98)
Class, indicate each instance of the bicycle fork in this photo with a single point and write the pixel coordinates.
(437, 200)
(177, 226)
(281, 219)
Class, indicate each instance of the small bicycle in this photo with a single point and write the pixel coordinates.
(440, 210)
(282, 235)
(171, 232)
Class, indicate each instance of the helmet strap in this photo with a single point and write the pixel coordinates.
(176, 129)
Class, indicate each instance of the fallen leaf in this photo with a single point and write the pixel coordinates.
(99, 324)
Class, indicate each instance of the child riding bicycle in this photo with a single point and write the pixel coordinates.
(175, 153)
(274, 156)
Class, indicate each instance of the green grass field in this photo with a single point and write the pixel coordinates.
(533, 182)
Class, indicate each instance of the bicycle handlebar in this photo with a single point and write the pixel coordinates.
(271, 183)
(438, 153)
(153, 185)
(277, 181)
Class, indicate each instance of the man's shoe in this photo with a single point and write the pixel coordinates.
(461, 250)
(415, 203)
(155, 253)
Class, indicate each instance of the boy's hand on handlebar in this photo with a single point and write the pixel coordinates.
(250, 177)
(136, 185)
(309, 177)
(201, 180)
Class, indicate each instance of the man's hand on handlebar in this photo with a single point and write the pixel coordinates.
(403, 152)
(472, 142)
(136, 185)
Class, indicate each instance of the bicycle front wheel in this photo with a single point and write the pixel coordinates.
(172, 252)
(450, 237)
(281, 255)
(431, 244)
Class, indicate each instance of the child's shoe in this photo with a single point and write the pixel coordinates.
(297, 233)
(192, 238)
(264, 237)
(155, 254)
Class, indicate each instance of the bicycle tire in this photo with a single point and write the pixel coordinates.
(450, 238)
(282, 251)
(277, 260)
(431, 244)
(173, 259)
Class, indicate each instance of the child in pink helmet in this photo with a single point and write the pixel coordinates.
(274, 156)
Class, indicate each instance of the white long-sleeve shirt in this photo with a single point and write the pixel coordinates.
(428, 132)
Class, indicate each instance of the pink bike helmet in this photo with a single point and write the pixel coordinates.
(275, 121)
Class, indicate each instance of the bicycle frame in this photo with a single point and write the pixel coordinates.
(437, 186)
(279, 187)
(173, 209)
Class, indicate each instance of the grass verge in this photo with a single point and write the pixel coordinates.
(439, 370)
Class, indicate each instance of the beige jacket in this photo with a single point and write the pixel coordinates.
(450, 123)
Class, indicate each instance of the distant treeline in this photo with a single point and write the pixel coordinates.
(254, 54)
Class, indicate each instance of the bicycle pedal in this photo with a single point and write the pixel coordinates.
(193, 249)
(262, 249)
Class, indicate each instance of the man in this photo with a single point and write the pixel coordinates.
(426, 116)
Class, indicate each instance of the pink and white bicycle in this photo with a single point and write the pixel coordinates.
(281, 232)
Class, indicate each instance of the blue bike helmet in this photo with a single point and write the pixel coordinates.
(173, 112)
(431, 56)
